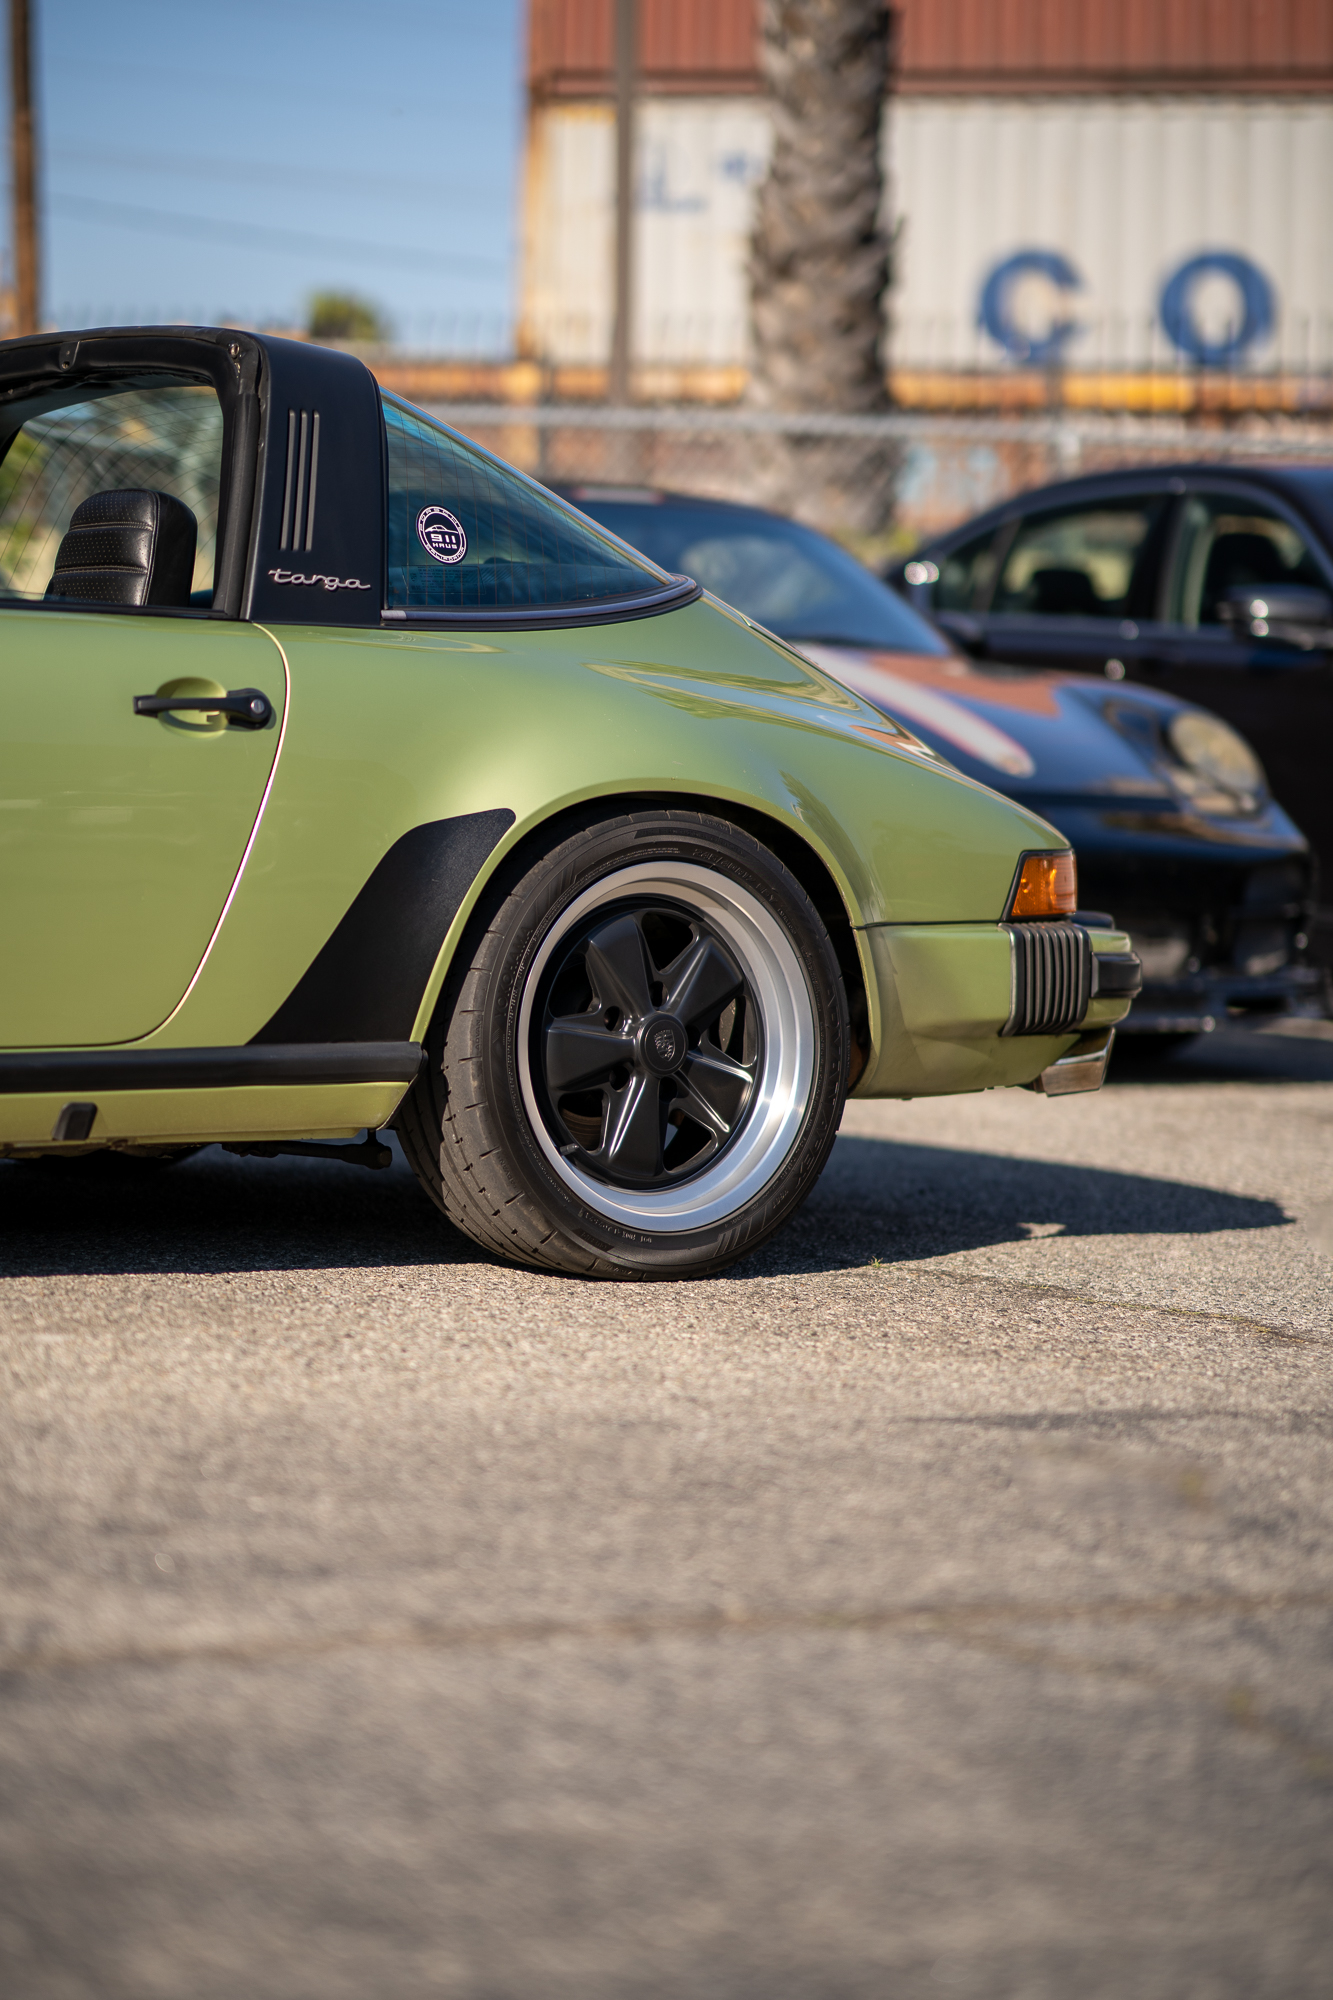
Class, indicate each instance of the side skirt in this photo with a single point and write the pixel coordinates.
(255, 1113)
(193, 1096)
(77, 1071)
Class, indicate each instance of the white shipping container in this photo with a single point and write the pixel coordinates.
(1028, 230)
(697, 163)
(1127, 192)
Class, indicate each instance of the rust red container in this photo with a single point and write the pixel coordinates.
(959, 47)
(999, 46)
(700, 48)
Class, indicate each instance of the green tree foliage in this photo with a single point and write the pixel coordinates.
(21, 520)
(344, 316)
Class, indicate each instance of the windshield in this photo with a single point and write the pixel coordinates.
(785, 576)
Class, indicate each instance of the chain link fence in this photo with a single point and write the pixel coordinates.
(881, 483)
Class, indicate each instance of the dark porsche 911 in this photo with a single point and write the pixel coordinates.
(1168, 808)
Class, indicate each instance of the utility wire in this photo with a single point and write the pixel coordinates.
(172, 222)
(275, 175)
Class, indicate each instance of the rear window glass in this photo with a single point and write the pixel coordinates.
(166, 438)
(1095, 561)
(467, 532)
(783, 575)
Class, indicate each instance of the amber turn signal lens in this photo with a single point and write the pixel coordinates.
(1047, 886)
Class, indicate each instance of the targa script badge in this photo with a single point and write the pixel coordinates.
(441, 535)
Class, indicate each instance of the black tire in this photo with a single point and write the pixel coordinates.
(553, 1058)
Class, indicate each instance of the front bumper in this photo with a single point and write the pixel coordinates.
(1084, 1068)
(960, 1007)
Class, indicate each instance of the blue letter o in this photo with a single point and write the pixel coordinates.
(1178, 315)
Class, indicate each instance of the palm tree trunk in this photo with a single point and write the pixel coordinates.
(819, 258)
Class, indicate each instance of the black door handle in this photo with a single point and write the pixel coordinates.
(246, 707)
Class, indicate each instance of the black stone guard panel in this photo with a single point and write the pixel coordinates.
(366, 983)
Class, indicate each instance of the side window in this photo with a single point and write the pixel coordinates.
(1098, 561)
(966, 576)
(1228, 541)
(467, 532)
(141, 468)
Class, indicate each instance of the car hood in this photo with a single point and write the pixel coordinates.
(1023, 731)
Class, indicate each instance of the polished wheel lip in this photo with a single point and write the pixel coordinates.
(781, 1097)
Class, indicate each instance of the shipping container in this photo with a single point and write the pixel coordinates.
(1264, 47)
(1113, 232)
(698, 161)
(699, 47)
(1004, 46)
(1117, 233)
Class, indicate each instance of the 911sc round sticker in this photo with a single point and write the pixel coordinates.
(441, 535)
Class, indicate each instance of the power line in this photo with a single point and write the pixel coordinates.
(172, 222)
(247, 85)
(258, 173)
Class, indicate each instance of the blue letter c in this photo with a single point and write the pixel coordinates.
(994, 313)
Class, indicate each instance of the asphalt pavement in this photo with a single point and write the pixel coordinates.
(940, 1602)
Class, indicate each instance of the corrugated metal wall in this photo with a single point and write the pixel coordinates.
(699, 160)
(1127, 191)
(1080, 211)
(1262, 46)
(1008, 45)
(1060, 168)
(700, 46)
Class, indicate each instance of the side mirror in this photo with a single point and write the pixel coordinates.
(964, 630)
(1290, 611)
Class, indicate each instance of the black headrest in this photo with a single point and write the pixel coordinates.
(127, 547)
(1065, 592)
(1242, 558)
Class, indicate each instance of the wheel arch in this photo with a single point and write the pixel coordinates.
(792, 849)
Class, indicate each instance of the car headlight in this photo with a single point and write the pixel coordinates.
(1211, 749)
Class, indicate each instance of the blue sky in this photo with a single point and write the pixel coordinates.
(205, 161)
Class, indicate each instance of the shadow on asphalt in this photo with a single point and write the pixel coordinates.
(877, 1199)
(880, 1198)
(1229, 1055)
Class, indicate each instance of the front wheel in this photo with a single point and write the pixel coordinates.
(638, 1063)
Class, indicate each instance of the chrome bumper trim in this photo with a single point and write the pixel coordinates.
(1084, 1068)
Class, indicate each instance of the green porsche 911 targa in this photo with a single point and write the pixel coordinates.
(351, 779)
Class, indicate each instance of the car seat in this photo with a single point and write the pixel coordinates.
(1235, 561)
(129, 546)
(1064, 593)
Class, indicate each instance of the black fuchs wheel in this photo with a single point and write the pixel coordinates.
(638, 1063)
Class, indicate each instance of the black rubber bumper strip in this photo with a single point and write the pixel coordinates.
(77, 1070)
(1119, 974)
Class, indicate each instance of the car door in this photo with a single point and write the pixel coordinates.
(1279, 695)
(122, 832)
(1078, 585)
